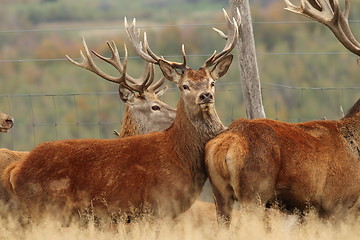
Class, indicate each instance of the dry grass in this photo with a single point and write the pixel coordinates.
(254, 223)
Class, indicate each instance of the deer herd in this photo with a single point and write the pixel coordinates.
(159, 163)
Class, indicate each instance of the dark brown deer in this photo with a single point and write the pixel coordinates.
(144, 111)
(160, 172)
(6, 122)
(298, 165)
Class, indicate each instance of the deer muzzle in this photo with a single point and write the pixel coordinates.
(6, 124)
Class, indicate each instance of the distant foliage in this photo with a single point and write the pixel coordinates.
(292, 51)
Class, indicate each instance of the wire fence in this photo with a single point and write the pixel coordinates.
(87, 115)
(97, 114)
(144, 27)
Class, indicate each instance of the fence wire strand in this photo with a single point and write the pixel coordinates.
(33, 130)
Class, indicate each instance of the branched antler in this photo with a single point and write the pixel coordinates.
(328, 12)
(144, 51)
(231, 38)
(139, 85)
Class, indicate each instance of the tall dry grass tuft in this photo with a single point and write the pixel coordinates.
(248, 223)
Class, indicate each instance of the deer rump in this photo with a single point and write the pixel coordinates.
(297, 165)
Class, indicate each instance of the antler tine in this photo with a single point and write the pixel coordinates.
(143, 49)
(115, 61)
(88, 63)
(122, 80)
(344, 21)
(328, 13)
(231, 38)
(134, 35)
(155, 87)
(146, 79)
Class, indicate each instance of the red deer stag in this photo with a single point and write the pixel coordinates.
(298, 165)
(6, 122)
(144, 111)
(160, 172)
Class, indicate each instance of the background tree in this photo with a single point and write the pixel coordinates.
(249, 72)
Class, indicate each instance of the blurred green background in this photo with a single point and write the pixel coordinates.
(306, 73)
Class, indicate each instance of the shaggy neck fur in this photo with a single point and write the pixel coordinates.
(190, 144)
(129, 125)
(350, 127)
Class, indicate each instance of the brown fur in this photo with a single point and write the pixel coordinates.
(128, 126)
(6, 158)
(162, 171)
(139, 118)
(299, 165)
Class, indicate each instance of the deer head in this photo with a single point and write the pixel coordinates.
(6, 122)
(145, 112)
(196, 86)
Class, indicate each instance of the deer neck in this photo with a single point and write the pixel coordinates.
(129, 126)
(350, 124)
(189, 134)
(350, 129)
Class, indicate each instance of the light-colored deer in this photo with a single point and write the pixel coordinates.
(161, 173)
(6, 122)
(298, 165)
(144, 111)
(6, 156)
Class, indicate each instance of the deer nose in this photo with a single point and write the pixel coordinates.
(206, 97)
(9, 121)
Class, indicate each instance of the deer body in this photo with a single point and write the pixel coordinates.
(307, 164)
(161, 170)
(299, 165)
(144, 113)
(133, 124)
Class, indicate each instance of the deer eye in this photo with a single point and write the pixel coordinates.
(212, 84)
(186, 87)
(155, 108)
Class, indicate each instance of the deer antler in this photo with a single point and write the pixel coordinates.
(144, 51)
(231, 38)
(328, 13)
(124, 80)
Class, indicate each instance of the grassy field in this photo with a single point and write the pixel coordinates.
(254, 223)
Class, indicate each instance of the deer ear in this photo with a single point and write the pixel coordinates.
(126, 95)
(221, 67)
(169, 71)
